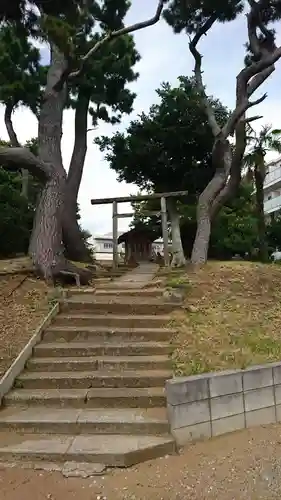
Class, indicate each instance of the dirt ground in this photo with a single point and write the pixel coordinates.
(231, 319)
(242, 466)
(23, 305)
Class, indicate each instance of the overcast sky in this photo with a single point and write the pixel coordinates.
(164, 57)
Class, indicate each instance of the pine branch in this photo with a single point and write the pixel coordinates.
(23, 158)
(115, 34)
(252, 119)
(251, 77)
(15, 143)
(9, 126)
(198, 73)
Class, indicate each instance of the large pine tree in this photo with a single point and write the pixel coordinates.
(77, 53)
(196, 18)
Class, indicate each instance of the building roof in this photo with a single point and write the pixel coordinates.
(146, 233)
(107, 236)
(273, 162)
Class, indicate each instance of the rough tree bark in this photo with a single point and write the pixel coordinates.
(205, 212)
(15, 143)
(178, 253)
(46, 245)
(259, 174)
(72, 237)
(228, 161)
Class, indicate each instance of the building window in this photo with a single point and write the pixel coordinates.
(108, 245)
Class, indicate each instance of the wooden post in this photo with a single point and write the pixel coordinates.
(165, 234)
(115, 233)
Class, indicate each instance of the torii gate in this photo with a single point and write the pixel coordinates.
(127, 199)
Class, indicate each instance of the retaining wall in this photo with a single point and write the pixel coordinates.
(216, 403)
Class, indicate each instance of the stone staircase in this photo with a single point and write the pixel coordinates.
(94, 389)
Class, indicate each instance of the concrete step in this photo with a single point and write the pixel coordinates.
(91, 421)
(63, 330)
(109, 348)
(114, 291)
(111, 450)
(87, 380)
(116, 305)
(147, 397)
(130, 292)
(111, 320)
(88, 363)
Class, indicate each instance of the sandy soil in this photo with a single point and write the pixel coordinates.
(240, 466)
(23, 305)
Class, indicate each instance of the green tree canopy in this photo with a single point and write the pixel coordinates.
(191, 15)
(16, 215)
(170, 147)
(235, 230)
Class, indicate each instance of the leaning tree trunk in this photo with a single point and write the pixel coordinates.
(72, 236)
(259, 182)
(222, 158)
(200, 248)
(178, 253)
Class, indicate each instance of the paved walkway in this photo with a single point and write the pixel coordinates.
(138, 277)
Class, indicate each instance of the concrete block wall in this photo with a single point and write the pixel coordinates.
(211, 404)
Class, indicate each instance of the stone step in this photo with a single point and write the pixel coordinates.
(80, 421)
(92, 363)
(110, 450)
(112, 321)
(116, 305)
(86, 332)
(89, 398)
(87, 380)
(114, 291)
(131, 292)
(109, 348)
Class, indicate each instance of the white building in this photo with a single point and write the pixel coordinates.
(272, 188)
(103, 246)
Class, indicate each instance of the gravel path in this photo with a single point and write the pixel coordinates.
(241, 466)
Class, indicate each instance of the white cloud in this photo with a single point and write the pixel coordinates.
(165, 56)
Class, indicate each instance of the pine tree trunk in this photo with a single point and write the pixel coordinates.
(178, 253)
(200, 248)
(259, 182)
(46, 246)
(222, 158)
(72, 236)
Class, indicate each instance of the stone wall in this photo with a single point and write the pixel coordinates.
(211, 404)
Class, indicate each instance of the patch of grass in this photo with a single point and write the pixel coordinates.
(178, 282)
(232, 318)
(54, 295)
(171, 271)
